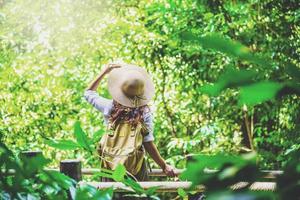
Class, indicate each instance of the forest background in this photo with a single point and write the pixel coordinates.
(51, 50)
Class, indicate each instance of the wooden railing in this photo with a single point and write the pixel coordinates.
(73, 169)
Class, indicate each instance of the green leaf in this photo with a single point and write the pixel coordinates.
(97, 136)
(134, 185)
(240, 195)
(102, 174)
(195, 171)
(259, 92)
(81, 137)
(89, 192)
(181, 192)
(288, 88)
(212, 89)
(119, 173)
(33, 164)
(229, 47)
(151, 191)
(63, 144)
(231, 78)
(54, 177)
(228, 172)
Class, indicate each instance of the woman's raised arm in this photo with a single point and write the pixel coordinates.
(94, 85)
(100, 103)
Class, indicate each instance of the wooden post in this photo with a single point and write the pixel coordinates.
(71, 168)
(27, 156)
(31, 154)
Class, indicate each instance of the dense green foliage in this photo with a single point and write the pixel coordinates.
(49, 55)
(49, 52)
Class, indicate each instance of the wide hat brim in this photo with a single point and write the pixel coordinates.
(115, 81)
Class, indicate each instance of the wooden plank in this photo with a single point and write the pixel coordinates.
(271, 174)
(153, 172)
(256, 186)
(164, 186)
(172, 186)
(159, 172)
(263, 186)
(268, 174)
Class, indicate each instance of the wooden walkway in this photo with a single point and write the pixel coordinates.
(73, 169)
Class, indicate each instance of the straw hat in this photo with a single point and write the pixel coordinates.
(130, 85)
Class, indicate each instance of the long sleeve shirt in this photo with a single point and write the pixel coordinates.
(105, 105)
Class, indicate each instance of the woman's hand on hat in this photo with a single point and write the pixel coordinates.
(109, 67)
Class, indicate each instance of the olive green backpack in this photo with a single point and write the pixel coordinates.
(123, 145)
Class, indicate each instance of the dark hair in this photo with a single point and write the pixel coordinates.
(128, 114)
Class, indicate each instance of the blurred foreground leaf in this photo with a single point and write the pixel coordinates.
(63, 144)
(231, 78)
(81, 137)
(231, 169)
(92, 193)
(259, 92)
(229, 47)
(119, 173)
